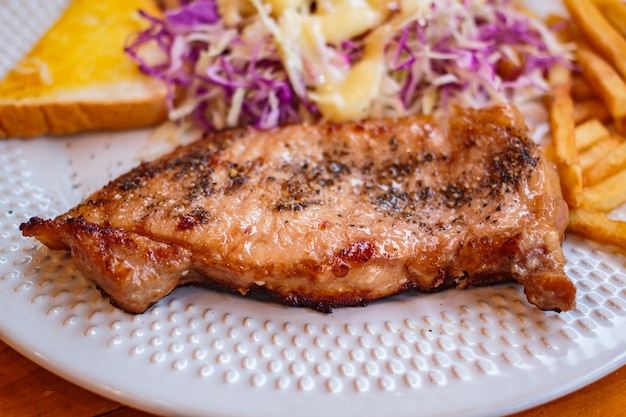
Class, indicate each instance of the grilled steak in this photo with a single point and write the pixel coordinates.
(329, 215)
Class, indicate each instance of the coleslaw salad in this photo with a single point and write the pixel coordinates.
(269, 63)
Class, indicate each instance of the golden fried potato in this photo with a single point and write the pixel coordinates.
(590, 157)
(609, 165)
(615, 12)
(597, 226)
(588, 133)
(561, 111)
(605, 195)
(590, 109)
(600, 33)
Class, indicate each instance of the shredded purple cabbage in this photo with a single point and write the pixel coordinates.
(507, 30)
(255, 88)
(187, 18)
(260, 78)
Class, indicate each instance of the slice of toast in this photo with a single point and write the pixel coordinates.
(78, 77)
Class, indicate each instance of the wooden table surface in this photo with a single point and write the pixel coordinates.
(27, 390)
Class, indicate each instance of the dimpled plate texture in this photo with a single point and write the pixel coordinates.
(480, 352)
(473, 352)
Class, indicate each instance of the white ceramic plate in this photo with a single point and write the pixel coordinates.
(459, 353)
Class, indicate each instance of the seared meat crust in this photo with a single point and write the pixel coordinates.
(329, 215)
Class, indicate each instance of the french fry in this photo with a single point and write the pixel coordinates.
(597, 226)
(615, 12)
(613, 163)
(598, 108)
(605, 195)
(591, 156)
(590, 109)
(561, 111)
(600, 33)
(588, 133)
(605, 81)
(620, 125)
(581, 89)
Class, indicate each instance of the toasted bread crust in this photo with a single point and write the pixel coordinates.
(26, 119)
